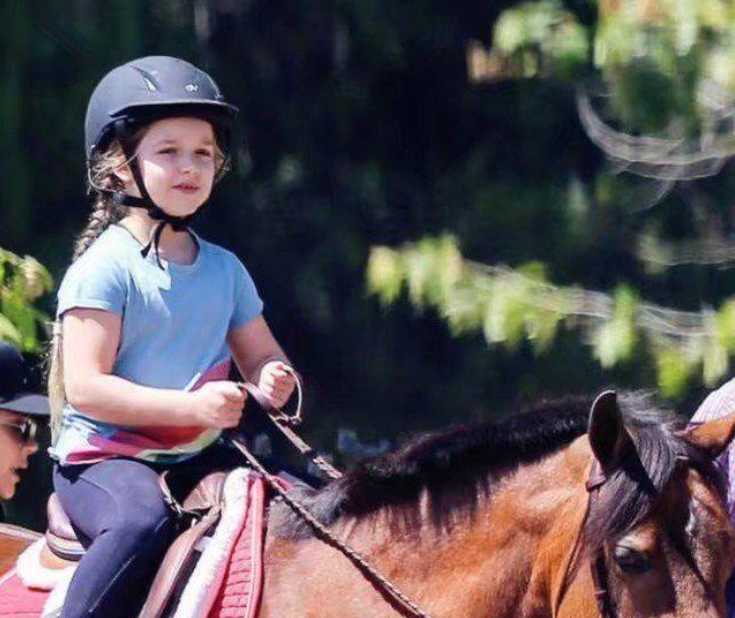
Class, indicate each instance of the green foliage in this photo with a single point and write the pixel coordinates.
(656, 57)
(615, 338)
(541, 38)
(362, 125)
(511, 305)
(675, 369)
(23, 280)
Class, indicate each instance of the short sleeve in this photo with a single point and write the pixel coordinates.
(93, 284)
(248, 304)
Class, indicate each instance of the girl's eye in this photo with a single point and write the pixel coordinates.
(167, 151)
(204, 153)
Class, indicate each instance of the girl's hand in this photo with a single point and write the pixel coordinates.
(218, 405)
(276, 383)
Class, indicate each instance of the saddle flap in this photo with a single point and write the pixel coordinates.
(177, 565)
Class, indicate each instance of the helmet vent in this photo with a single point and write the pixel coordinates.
(149, 80)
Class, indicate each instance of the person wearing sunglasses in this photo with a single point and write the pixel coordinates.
(20, 412)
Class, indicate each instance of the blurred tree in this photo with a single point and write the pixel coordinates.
(22, 282)
(509, 305)
(659, 72)
(371, 124)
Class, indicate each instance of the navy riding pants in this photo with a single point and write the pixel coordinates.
(118, 511)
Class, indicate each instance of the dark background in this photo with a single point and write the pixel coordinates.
(360, 126)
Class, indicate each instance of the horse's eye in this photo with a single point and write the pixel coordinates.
(630, 560)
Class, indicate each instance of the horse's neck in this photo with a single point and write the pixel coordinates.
(518, 546)
(506, 559)
(544, 524)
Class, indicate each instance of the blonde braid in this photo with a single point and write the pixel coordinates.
(105, 212)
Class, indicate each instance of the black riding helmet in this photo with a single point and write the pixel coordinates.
(143, 91)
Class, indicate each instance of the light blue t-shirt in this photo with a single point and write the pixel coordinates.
(175, 321)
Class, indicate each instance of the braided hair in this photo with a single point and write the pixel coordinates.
(105, 212)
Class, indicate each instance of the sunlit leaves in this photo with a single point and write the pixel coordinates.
(656, 57)
(429, 273)
(615, 338)
(23, 280)
(513, 305)
(675, 369)
(530, 40)
(384, 274)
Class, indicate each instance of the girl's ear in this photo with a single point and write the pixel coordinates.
(124, 174)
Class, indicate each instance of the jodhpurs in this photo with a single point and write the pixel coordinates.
(118, 511)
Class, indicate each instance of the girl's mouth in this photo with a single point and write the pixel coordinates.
(185, 188)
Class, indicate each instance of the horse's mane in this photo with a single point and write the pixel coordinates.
(457, 467)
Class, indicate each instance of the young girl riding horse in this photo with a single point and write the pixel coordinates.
(149, 315)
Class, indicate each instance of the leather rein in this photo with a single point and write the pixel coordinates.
(596, 478)
(285, 422)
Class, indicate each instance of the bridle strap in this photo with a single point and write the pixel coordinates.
(284, 422)
(598, 566)
(596, 478)
(602, 590)
(393, 594)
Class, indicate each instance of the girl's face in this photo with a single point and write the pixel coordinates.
(14, 453)
(177, 159)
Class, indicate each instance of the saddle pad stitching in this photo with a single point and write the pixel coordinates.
(256, 557)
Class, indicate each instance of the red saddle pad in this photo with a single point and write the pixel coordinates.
(18, 601)
(242, 585)
(241, 588)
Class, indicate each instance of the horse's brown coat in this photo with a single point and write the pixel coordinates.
(510, 560)
(13, 541)
(510, 556)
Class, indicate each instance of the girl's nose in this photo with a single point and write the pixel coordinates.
(30, 447)
(187, 164)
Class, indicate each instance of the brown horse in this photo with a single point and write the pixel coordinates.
(496, 521)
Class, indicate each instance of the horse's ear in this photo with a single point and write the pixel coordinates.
(607, 434)
(712, 437)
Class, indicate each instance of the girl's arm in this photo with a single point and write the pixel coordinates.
(261, 360)
(90, 342)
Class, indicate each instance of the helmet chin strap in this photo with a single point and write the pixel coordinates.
(178, 224)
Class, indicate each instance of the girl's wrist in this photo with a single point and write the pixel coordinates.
(190, 407)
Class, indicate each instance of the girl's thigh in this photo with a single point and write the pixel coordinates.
(110, 494)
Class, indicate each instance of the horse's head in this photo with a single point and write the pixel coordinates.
(657, 540)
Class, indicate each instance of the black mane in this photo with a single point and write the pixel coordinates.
(458, 466)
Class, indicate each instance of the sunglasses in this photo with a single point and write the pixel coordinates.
(26, 429)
